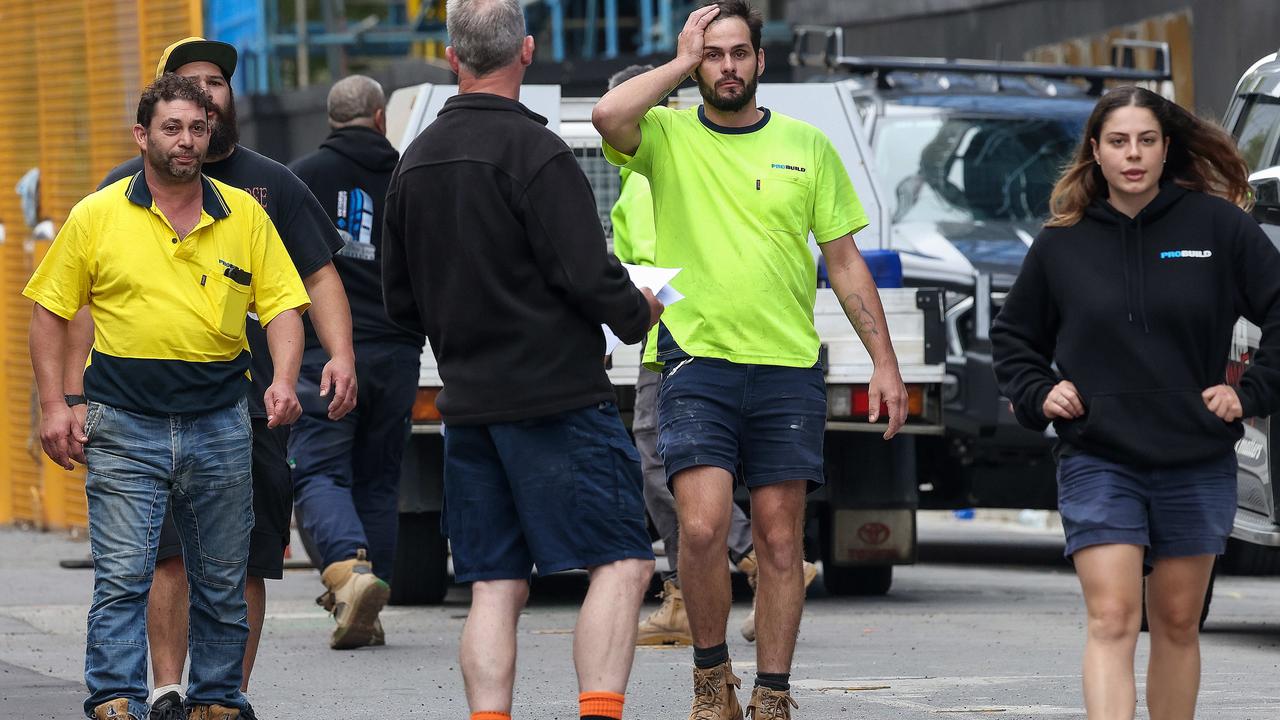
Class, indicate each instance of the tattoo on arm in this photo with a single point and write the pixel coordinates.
(864, 323)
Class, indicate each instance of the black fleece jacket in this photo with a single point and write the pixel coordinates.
(1139, 313)
(493, 247)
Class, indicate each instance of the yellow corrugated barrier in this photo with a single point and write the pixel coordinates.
(70, 82)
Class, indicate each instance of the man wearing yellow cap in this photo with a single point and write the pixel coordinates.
(311, 241)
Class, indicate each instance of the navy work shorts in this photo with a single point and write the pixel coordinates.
(560, 492)
(1173, 512)
(762, 422)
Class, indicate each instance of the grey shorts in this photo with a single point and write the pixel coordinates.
(1179, 511)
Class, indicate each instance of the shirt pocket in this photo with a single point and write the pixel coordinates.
(229, 305)
(784, 202)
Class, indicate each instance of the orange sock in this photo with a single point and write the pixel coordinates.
(490, 716)
(600, 705)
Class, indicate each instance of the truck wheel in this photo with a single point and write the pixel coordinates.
(1204, 612)
(422, 570)
(1244, 558)
(867, 580)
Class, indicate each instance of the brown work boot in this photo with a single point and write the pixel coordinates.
(669, 624)
(769, 704)
(356, 596)
(212, 712)
(117, 709)
(748, 565)
(714, 696)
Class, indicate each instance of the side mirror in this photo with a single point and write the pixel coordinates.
(1266, 196)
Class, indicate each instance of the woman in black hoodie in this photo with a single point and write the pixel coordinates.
(1133, 289)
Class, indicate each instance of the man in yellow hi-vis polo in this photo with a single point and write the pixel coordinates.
(168, 262)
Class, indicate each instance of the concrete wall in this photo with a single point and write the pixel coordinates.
(1228, 35)
(287, 126)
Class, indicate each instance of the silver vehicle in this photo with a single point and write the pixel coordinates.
(1253, 118)
(967, 152)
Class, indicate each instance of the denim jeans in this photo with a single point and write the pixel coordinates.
(137, 465)
(346, 473)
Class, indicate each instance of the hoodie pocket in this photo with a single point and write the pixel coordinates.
(1160, 427)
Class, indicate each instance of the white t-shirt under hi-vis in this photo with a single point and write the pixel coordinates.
(734, 208)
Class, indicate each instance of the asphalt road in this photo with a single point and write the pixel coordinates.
(989, 624)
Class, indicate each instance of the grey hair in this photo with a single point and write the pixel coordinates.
(485, 34)
(355, 97)
(627, 73)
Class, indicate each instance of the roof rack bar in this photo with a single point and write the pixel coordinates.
(830, 54)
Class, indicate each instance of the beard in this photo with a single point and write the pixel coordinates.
(224, 133)
(728, 103)
(166, 164)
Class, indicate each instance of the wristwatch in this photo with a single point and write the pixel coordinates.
(74, 400)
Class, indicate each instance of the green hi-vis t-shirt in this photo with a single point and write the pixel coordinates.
(632, 220)
(734, 208)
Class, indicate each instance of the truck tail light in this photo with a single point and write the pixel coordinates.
(853, 401)
(424, 405)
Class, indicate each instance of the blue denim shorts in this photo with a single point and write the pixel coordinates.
(559, 492)
(1181, 511)
(762, 422)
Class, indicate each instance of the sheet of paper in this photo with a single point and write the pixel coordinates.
(658, 281)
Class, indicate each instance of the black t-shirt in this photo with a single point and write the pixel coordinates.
(308, 235)
(348, 174)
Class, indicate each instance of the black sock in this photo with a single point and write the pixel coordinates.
(774, 681)
(704, 658)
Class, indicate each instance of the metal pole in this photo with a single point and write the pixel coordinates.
(611, 28)
(300, 24)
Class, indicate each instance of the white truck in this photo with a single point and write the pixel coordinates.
(863, 520)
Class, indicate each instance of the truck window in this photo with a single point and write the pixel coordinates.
(940, 168)
(1258, 122)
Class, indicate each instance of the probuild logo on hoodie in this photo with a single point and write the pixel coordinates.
(1178, 254)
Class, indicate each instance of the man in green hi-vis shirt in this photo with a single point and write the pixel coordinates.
(737, 191)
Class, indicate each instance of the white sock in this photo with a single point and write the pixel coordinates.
(160, 691)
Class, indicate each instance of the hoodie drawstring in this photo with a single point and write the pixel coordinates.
(1124, 260)
(1142, 285)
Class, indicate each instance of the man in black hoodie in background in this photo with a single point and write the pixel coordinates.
(346, 472)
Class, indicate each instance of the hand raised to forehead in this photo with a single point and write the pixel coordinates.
(689, 44)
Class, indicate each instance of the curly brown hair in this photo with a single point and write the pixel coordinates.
(1202, 157)
(169, 87)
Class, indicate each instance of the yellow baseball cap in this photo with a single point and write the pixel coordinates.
(197, 49)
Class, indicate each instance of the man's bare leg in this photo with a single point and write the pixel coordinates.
(488, 653)
(604, 640)
(704, 495)
(777, 528)
(255, 596)
(167, 621)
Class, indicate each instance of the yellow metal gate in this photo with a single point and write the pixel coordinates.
(69, 86)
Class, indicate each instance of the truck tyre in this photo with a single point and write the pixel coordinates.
(421, 571)
(865, 581)
(1244, 558)
(1208, 598)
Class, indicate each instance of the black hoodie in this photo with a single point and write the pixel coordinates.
(349, 174)
(1139, 314)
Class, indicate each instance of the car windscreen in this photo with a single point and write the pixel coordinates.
(942, 167)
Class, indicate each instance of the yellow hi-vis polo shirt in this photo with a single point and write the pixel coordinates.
(168, 313)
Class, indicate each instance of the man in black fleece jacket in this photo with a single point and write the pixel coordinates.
(346, 471)
(493, 248)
